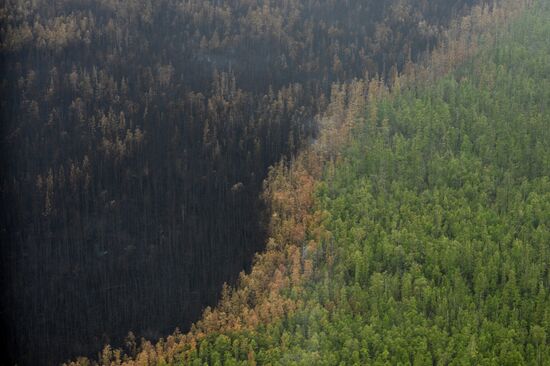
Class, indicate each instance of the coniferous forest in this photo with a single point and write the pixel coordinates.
(389, 161)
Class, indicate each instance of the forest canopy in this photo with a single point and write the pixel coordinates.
(136, 136)
(421, 239)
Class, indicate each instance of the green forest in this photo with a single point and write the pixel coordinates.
(440, 216)
(429, 234)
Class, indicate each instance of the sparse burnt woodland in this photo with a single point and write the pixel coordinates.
(135, 136)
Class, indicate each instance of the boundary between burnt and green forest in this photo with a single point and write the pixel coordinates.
(301, 249)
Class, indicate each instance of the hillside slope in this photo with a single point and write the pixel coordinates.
(134, 139)
(422, 240)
